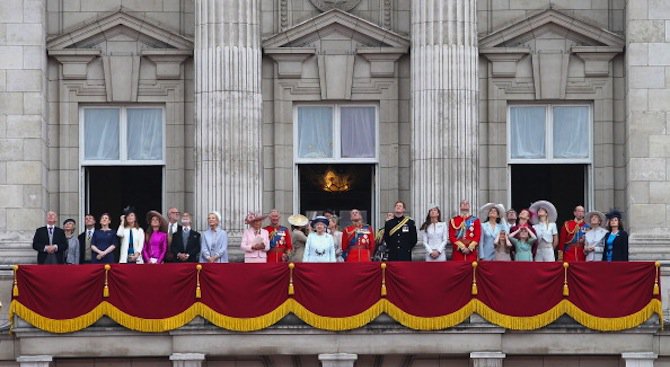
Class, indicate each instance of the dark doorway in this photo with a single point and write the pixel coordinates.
(340, 187)
(562, 184)
(110, 189)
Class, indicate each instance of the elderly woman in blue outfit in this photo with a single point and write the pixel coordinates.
(493, 224)
(320, 246)
(616, 239)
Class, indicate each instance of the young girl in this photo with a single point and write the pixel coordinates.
(523, 245)
(503, 247)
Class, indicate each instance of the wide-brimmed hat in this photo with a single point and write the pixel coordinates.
(320, 219)
(603, 218)
(552, 213)
(484, 211)
(161, 218)
(298, 220)
(254, 217)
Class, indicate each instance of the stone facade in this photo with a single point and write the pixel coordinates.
(229, 75)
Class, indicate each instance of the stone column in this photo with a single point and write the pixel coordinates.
(34, 361)
(24, 128)
(639, 359)
(228, 105)
(338, 359)
(487, 359)
(645, 134)
(444, 62)
(187, 359)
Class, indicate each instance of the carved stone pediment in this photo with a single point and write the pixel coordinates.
(122, 41)
(550, 38)
(335, 38)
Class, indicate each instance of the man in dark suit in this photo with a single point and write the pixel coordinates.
(85, 239)
(50, 242)
(185, 245)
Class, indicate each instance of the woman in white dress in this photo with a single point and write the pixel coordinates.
(320, 246)
(544, 217)
(132, 238)
(594, 239)
(434, 233)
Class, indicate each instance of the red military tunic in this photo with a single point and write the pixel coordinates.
(464, 232)
(358, 244)
(571, 234)
(280, 243)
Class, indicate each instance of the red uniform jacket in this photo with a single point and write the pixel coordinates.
(569, 243)
(280, 243)
(464, 232)
(358, 244)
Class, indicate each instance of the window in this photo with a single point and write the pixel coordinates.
(122, 135)
(342, 133)
(550, 133)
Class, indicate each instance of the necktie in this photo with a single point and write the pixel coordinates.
(51, 233)
(89, 233)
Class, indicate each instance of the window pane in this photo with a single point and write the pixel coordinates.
(145, 134)
(571, 132)
(527, 132)
(315, 132)
(101, 134)
(358, 132)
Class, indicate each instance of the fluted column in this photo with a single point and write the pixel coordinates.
(228, 110)
(444, 59)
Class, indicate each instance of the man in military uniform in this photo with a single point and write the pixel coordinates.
(358, 240)
(571, 239)
(400, 234)
(280, 239)
(465, 232)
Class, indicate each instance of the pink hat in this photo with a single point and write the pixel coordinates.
(254, 217)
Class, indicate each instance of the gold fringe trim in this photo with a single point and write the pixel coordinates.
(152, 325)
(16, 308)
(616, 323)
(520, 322)
(245, 324)
(429, 323)
(337, 323)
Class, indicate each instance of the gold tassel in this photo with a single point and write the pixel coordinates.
(291, 290)
(15, 288)
(566, 290)
(105, 291)
(657, 289)
(474, 278)
(384, 280)
(198, 293)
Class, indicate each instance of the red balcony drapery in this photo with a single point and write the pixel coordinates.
(422, 296)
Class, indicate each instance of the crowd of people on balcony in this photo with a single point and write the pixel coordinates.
(491, 234)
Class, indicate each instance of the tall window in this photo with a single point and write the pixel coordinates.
(550, 134)
(122, 135)
(336, 133)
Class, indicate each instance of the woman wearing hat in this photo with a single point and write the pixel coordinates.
(492, 225)
(132, 238)
(594, 239)
(434, 233)
(544, 217)
(320, 246)
(214, 241)
(616, 240)
(255, 240)
(156, 239)
(299, 233)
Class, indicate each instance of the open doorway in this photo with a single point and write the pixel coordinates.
(111, 188)
(339, 187)
(562, 184)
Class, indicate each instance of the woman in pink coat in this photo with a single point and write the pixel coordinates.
(156, 239)
(255, 240)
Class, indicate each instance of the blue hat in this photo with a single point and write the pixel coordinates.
(320, 219)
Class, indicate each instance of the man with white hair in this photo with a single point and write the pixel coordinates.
(50, 242)
(280, 239)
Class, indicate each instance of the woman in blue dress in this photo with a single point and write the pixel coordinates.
(492, 224)
(616, 239)
(103, 242)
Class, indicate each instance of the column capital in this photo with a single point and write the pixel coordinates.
(338, 359)
(187, 359)
(487, 355)
(487, 359)
(35, 361)
(639, 359)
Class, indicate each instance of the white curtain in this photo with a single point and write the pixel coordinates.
(145, 134)
(527, 132)
(358, 132)
(315, 132)
(571, 132)
(101, 134)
